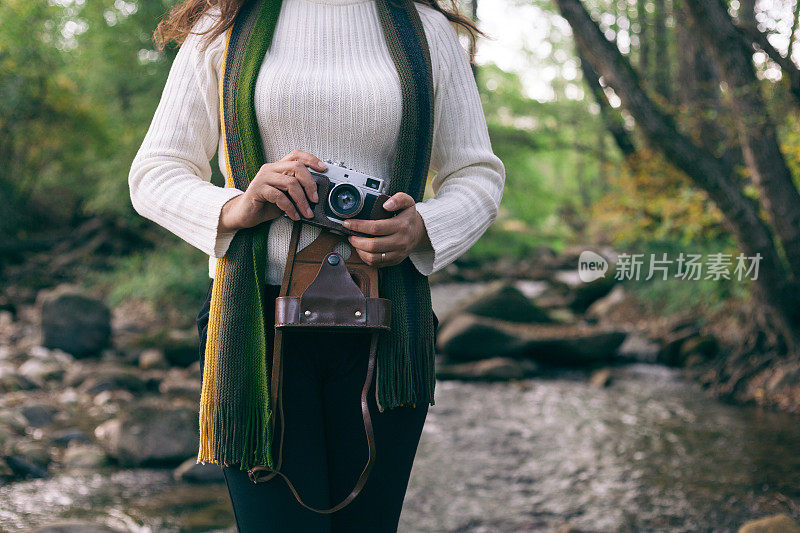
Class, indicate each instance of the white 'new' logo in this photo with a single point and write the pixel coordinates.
(591, 266)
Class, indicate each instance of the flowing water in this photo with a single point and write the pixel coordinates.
(649, 453)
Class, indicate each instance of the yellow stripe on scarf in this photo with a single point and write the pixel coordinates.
(215, 312)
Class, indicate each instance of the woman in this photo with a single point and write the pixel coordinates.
(327, 89)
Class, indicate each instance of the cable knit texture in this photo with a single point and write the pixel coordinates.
(329, 87)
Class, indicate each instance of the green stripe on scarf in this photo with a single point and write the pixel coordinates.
(239, 401)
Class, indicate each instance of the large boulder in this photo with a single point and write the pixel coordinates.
(492, 369)
(84, 457)
(39, 414)
(76, 323)
(503, 301)
(469, 337)
(151, 433)
(583, 294)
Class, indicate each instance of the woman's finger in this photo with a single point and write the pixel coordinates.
(299, 171)
(379, 260)
(385, 226)
(297, 193)
(279, 198)
(398, 201)
(388, 243)
(307, 159)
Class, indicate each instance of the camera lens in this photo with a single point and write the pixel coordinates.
(346, 200)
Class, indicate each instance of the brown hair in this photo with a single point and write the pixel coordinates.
(180, 20)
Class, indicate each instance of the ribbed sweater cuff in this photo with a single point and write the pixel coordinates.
(222, 239)
(428, 261)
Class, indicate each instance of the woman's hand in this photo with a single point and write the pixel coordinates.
(270, 191)
(395, 238)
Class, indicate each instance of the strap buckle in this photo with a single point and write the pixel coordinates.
(252, 475)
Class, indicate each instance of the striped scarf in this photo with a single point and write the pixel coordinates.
(235, 411)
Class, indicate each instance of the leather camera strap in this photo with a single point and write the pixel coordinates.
(261, 474)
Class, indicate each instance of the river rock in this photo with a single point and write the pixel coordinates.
(84, 456)
(152, 358)
(150, 433)
(469, 337)
(191, 471)
(76, 323)
(14, 420)
(492, 369)
(21, 468)
(181, 386)
(6, 434)
(584, 294)
(181, 347)
(703, 345)
(65, 437)
(39, 414)
(605, 306)
(113, 397)
(503, 301)
(40, 371)
(35, 452)
(112, 378)
(11, 381)
(638, 347)
(779, 523)
(671, 348)
(600, 378)
(75, 527)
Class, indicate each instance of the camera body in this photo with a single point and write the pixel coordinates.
(345, 193)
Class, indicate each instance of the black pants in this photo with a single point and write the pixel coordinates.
(325, 446)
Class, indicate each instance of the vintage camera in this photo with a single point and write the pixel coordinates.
(345, 193)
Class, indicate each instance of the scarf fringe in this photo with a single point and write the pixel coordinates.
(245, 436)
(204, 454)
(397, 384)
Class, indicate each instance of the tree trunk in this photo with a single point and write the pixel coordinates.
(699, 93)
(661, 73)
(644, 38)
(757, 133)
(710, 173)
(611, 118)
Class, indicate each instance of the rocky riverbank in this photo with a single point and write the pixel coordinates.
(86, 388)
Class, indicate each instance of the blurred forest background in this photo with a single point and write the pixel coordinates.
(636, 126)
(613, 152)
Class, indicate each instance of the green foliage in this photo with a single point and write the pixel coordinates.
(48, 132)
(553, 153)
(173, 275)
(79, 82)
(78, 85)
(675, 296)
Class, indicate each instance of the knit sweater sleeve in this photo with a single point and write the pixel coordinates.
(170, 177)
(469, 179)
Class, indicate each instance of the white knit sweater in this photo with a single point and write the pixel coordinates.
(329, 87)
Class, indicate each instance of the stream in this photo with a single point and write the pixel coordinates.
(650, 452)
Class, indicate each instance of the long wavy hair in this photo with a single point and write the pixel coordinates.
(180, 20)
